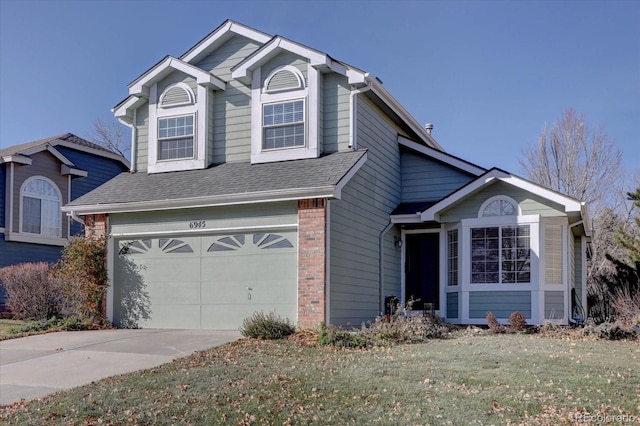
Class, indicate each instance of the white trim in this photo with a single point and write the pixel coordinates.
(20, 213)
(583, 254)
(328, 191)
(432, 213)
(309, 94)
(35, 239)
(350, 174)
(506, 198)
(442, 156)
(140, 87)
(207, 231)
(290, 68)
(16, 158)
(219, 36)
(66, 170)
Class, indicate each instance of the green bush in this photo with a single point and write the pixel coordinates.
(266, 326)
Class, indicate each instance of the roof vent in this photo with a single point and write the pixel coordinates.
(428, 127)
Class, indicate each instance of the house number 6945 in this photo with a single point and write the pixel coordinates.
(197, 224)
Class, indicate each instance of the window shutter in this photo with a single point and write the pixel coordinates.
(176, 96)
(283, 80)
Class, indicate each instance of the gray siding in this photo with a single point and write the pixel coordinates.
(285, 58)
(529, 203)
(142, 147)
(553, 305)
(576, 254)
(44, 164)
(335, 113)
(424, 179)
(357, 220)
(3, 183)
(452, 305)
(230, 110)
(178, 77)
(501, 303)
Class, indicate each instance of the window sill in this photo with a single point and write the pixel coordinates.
(176, 165)
(36, 239)
(284, 155)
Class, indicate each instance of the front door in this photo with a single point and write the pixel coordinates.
(422, 270)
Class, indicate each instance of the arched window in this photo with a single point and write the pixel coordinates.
(41, 201)
(176, 126)
(284, 78)
(498, 206)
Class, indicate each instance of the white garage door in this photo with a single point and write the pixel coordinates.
(208, 282)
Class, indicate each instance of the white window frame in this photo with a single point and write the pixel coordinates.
(260, 96)
(199, 108)
(40, 235)
(504, 198)
(303, 122)
(172, 138)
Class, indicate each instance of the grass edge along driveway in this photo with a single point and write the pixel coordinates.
(468, 379)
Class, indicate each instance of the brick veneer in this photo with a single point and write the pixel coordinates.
(312, 241)
(95, 225)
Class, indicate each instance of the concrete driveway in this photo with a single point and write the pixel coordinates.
(35, 366)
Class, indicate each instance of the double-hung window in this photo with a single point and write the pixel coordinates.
(283, 124)
(175, 137)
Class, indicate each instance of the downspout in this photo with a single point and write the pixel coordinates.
(577, 314)
(134, 140)
(381, 265)
(352, 107)
(73, 215)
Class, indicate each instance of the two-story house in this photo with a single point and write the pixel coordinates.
(36, 180)
(267, 175)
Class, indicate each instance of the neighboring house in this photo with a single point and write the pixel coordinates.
(267, 175)
(36, 180)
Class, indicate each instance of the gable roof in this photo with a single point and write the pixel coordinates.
(571, 205)
(20, 153)
(225, 184)
(443, 157)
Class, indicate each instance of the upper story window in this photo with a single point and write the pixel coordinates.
(175, 137)
(498, 206)
(285, 115)
(40, 214)
(283, 124)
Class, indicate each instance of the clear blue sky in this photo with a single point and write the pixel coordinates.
(488, 74)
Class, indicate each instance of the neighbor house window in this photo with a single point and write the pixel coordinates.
(452, 257)
(501, 254)
(175, 137)
(553, 254)
(283, 124)
(41, 201)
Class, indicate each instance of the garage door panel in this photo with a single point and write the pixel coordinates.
(174, 316)
(206, 281)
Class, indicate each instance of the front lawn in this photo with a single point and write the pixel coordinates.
(7, 325)
(469, 379)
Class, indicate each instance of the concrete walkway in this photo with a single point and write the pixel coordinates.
(35, 366)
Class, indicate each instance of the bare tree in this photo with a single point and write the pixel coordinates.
(111, 135)
(576, 160)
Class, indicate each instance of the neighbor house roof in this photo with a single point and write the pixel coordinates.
(68, 140)
(228, 183)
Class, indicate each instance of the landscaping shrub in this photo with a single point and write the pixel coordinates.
(627, 307)
(31, 292)
(517, 321)
(83, 272)
(494, 325)
(266, 326)
(611, 331)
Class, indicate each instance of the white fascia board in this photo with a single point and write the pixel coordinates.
(317, 59)
(442, 156)
(66, 170)
(219, 36)
(432, 212)
(392, 103)
(48, 147)
(122, 110)
(350, 174)
(569, 203)
(93, 151)
(328, 191)
(16, 158)
(406, 218)
(168, 65)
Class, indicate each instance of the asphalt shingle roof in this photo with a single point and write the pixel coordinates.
(67, 137)
(223, 180)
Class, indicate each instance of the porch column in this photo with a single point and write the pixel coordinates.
(312, 241)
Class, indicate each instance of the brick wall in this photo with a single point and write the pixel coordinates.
(95, 224)
(312, 241)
